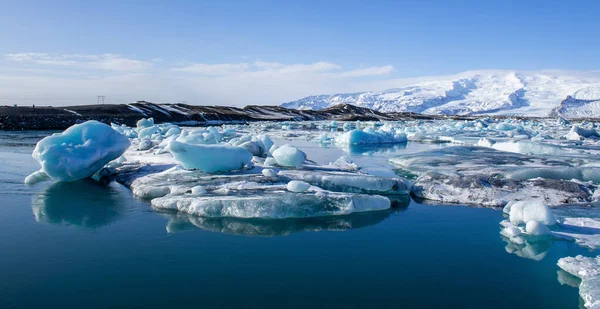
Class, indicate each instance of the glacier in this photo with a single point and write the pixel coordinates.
(490, 92)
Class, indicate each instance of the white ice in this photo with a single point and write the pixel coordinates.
(79, 151)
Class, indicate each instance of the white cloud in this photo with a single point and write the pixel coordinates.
(370, 71)
(215, 69)
(233, 84)
(109, 62)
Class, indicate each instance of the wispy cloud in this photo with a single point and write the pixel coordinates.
(110, 62)
(370, 71)
(258, 67)
(77, 79)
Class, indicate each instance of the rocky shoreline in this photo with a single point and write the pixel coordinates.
(60, 118)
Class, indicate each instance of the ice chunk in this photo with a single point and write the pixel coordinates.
(537, 229)
(145, 144)
(524, 211)
(270, 161)
(256, 148)
(297, 186)
(36, 177)
(290, 156)
(79, 151)
(578, 133)
(144, 123)
(269, 172)
(209, 158)
(198, 190)
(148, 132)
(266, 141)
(370, 136)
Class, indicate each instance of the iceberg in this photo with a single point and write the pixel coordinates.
(370, 136)
(79, 151)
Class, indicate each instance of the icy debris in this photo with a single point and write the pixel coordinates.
(350, 182)
(494, 191)
(523, 212)
(36, 177)
(578, 133)
(290, 156)
(588, 270)
(198, 190)
(145, 144)
(144, 123)
(79, 151)
(345, 163)
(269, 172)
(370, 136)
(297, 186)
(585, 231)
(537, 229)
(209, 158)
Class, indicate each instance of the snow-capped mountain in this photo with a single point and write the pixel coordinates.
(537, 93)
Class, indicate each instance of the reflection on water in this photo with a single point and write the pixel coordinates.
(81, 203)
(179, 222)
(534, 249)
(368, 150)
(564, 278)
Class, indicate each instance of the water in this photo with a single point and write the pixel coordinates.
(78, 245)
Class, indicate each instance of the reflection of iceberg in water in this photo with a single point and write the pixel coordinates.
(179, 222)
(564, 278)
(372, 149)
(534, 249)
(80, 203)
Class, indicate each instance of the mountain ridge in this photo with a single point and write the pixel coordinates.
(488, 92)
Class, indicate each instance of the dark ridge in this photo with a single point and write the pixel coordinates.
(60, 118)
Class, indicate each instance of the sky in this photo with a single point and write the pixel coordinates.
(269, 52)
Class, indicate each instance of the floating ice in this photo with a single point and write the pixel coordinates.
(144, 123)
(537, 229)
(370, 136)
(531, 210)
(290, 156)
(79, 151)
(588, 270)
(269, 172)
(350, 182)
(273, 204)
(297, 186)
(145, 144)
(36, 177)
(578, 133)
(198, 190)
(210, 158)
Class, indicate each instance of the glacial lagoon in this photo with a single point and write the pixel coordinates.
(74, 244)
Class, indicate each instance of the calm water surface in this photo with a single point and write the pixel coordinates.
(78, 245)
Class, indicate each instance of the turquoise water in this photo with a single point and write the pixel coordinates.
(79, 245)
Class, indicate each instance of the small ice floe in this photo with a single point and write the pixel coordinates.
(488, 177)
(588, 270)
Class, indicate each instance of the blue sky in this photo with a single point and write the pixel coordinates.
(179, 47)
